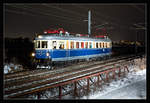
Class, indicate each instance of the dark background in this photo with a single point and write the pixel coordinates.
(26, 19)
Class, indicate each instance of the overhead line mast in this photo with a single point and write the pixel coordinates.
(89, 22)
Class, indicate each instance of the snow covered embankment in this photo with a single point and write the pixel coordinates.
(11, 68)
(133, 86)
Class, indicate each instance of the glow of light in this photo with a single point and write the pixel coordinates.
(45, 32)
(47, 54)
(33, 54)
(39, 36)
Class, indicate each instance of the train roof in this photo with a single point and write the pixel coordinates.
(52, 37)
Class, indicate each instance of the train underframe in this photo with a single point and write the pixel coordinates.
(49, 64)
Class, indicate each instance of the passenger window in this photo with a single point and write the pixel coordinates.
(106, 45)
(103, 45)
(77, 44)
(44, 44)
(54, 44)
(96, 45)
(72, 45)
(100, 45)
(82, 44)
(86, 44)
(93, 44)
(61, 45)
(110, 45)
(90, 45)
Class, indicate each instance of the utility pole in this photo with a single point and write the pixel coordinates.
(138, 27)
(89, 22)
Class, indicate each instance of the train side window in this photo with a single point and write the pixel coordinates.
(82, 44)
(44, 44)
(99, 45)
(106, 45)
(93, 44)
(61, 45)
(103, 45)
(86, 44)
(77, 44)
(109, 45)
(96, 45)
(72, 45)
(54, 44)
(90, 44)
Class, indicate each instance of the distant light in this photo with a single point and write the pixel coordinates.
(39, 36)
(45, 32)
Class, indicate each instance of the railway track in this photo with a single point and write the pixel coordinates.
(43, 74)
(33, 82)
(38, 72)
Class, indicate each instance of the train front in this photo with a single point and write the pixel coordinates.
(41, 55)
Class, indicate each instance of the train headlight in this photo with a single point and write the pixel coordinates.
(47, 54)
(33, 54)
(39, 36)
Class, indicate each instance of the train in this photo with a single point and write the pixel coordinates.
(60, 46)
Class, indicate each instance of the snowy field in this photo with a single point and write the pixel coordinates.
(133, 86)
(11, 68)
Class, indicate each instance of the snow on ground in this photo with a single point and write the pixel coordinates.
(10, 68)
(131, 87)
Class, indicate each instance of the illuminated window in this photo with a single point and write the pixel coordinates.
(82, 44)
(44, 44)
(77, 44)
(72, 45)
(93, 44)
(100, 45)
(37, 44)
(96, 45)
(61, 44)
(106, 44)
(109, 44)
(86, 44)
(103, 45)
(90, 45)
(54, 44)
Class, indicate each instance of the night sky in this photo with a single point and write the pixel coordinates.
(24, 20)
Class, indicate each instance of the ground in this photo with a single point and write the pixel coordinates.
(131, 87)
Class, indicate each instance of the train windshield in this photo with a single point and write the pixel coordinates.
(44, 44)
(37, 44)
(41, 44)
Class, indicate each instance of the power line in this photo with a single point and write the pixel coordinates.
(13, 11)
(48, 14)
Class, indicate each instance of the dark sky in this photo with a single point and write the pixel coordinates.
(27, 19)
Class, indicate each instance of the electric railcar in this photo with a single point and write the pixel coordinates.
(56, 48)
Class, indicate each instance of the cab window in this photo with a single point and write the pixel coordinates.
(44, 44)
(37, 44)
